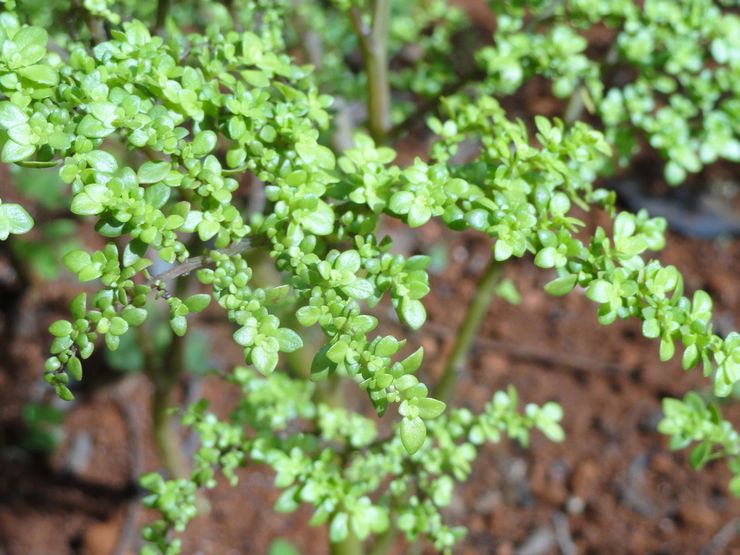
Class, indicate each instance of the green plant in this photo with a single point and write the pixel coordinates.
(43, 425)
(152, 122)
(671, 72)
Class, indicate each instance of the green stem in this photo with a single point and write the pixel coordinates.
(477, 309)
(163, 7)
(384, 541)
(374, 48)
(165, 375)
(165, 438)
(351, 545)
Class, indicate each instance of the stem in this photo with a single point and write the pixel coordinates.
(164, 436)
(163, 6)
(351, 545)
(197, 262)
(94, 26)
(466, 335)
(575, 107)
(384, 541)
(374, 48)
(165, 375)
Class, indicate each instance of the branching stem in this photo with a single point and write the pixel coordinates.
(196, 262)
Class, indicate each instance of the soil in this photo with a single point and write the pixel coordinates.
(612, 487)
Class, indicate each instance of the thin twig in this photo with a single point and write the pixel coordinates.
(197, 262)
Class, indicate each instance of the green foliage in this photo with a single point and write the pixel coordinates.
(695, 420)
(156, 136)
(14, 219)
(356, 488)
(420, 45)
(672, 72)
(43, 425)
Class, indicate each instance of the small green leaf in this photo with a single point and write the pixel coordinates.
(157, 195)
(502, 250)
(198, 302)
(349, 261)
(19, 221)
(599, 291)
(690, 357)
(289, 340)
(413, 361)
(699, 455)
(319, 221)
(337, 352)
(508, 291)
(88, 273)
(308, 315)
(134, 316)
(388, 346)
(429, 408)
(359, 289)
(562, 285)
(60, 328)
(413, 434)
(78, 305)
(76, 260)
(321, 365)
(153, 172)
(64, 393)
(207, 229)
(204, 142)
(118, 326)
(338, 530)
(546, 257)
(413, 313)
(419, 214)
(651, 328)
(11, 115)
(245, 335)
(30, 36)
(179, 325)
(40, 73)
(14, 152)
(401, 201)
(667, 348)
(85, 205)
(282, 547)
(92, 127)
(264, 361)
(74, 367)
